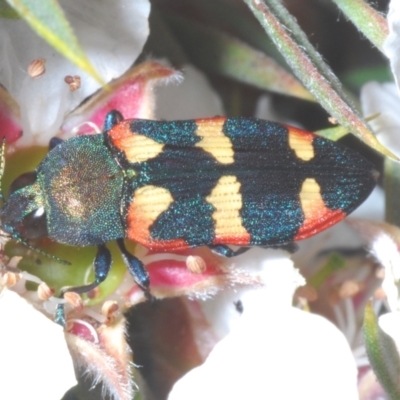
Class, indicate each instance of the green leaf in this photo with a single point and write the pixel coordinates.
(47, 19)
(366, 19)
(6, 11)
(334, 263)
(228, 56)
(356, 78)
(311, 70)
(382, 354)
(236, 22)
(391, 182)
(335, 133)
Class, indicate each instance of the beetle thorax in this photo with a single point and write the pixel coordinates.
(82, 186)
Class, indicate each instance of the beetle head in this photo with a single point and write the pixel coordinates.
(23, 216)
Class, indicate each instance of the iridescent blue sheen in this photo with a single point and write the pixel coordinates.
(182, 220)
(175, 133)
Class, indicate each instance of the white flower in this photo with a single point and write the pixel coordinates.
(384, 98)
(34, 359)
(112, 34)
(274, 350)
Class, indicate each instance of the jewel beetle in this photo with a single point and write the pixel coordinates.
(171, 185)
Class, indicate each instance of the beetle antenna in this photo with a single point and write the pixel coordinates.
(41, 252)
(2, 166)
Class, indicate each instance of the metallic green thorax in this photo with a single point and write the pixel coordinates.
(82, 187)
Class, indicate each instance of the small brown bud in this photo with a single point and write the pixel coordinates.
(44, 292)
(74, 82)
(10, 279)
(74, 299)
(196, 264)
(37, 68)
(110, 307)
(350, 288)
(307, 292)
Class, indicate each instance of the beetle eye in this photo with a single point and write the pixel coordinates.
(34, 225)
(28, 178)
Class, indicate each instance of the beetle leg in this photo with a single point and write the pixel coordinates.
(112, 118)
(102, 265)
(225, 251)
(289, 247)
(136, 269)
(60, 315)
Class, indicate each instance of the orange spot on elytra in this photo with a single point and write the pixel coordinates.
(136, 148)
(213, 139)
(317, 216)
(148, 204)
(301, 142)
(226, 199)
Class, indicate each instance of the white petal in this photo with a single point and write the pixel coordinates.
(274, 269)
(383, 98)
(293, 355)
(390, 323)
(385, 250)
(112, 34)
(193, 98)
(34, 359)
(392, 43)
